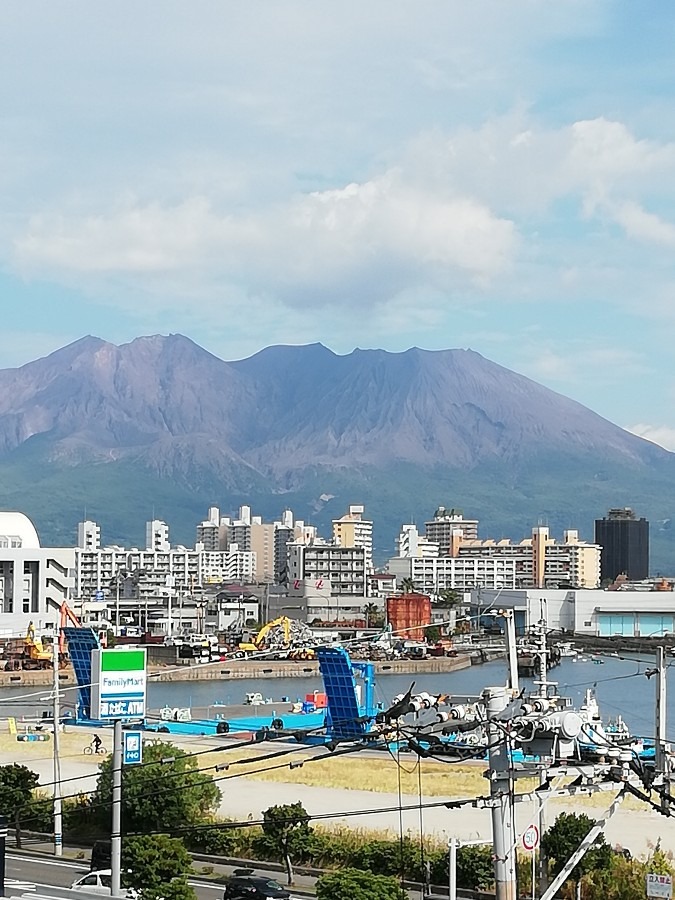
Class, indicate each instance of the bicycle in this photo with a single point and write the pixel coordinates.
(89, 750)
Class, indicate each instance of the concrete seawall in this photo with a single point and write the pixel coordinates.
(285, 669)
(242, 668)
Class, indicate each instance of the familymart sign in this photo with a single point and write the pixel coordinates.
(118, 683)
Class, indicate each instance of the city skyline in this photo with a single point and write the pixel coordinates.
(487, 175)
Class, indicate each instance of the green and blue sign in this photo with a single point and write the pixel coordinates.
(118, 689)
(132, 748)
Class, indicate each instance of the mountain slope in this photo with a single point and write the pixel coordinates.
(160, 426)
(428, 407)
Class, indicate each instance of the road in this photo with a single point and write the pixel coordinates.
(37, 870)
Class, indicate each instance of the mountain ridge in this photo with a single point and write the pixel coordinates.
(162, 415)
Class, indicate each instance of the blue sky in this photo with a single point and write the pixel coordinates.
(485, 174)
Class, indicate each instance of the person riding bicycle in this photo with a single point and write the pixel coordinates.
(96, 743)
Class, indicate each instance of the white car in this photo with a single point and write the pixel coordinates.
(100, 882)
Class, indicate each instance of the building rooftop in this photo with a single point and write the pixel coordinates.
(17, 530)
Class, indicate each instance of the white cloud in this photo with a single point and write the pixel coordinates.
(643, 225)
(663, 435)
(374, 240)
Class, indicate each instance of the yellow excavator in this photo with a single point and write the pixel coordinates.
(277, 635)
(35, 652)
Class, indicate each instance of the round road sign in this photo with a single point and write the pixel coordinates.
(531, 837)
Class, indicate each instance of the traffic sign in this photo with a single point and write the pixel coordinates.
(659, 885)
(531, 837)
(99, 595)
(133, 748)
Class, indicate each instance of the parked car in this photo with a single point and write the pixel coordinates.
(100, 882)
(255, 887)
(101, 856)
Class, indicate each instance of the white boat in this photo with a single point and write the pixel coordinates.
(566, 648)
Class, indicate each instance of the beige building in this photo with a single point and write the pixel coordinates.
(352, 530)
(539, 561)
(448, 524)
(263, 546)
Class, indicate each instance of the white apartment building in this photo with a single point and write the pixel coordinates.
(327, 566)
(433, 574)
(150, 571)
(410, 543)
(88, 535)
(352, 530)
(34, 580)
(157, 536)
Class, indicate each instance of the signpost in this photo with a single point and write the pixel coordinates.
(133, 748)
(530, 841)
(659, 885)
(531, 838)
(99, 596)
(118, 692)
(118, 684)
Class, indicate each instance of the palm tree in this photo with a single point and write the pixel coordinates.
(370, 610)
(408, 586)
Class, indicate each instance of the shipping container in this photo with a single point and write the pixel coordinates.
(408, 614)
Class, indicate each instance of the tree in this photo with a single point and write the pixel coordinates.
(564, 837)
(475, 868)
(157, 866)
(373, 614)
(448, 598)
(288, 830)
(625, 877)
(382, 857)
(157, 795)
(408, 585)
(17, 784)
(352, 884)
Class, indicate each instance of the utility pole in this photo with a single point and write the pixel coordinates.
(58, 818)
(662, 764)
(511, 649)
(452, 868)
(116, 832)
(3, 847)
(503, 826)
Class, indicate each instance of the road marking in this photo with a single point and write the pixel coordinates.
(39, 861)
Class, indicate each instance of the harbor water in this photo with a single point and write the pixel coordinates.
(621, 686)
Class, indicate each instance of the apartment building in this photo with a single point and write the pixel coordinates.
(353, 530)
(34, 580)
(157, 536)
(538, 561)
(152, 571)
(433, 574)
(448, 523)
(327, 566)
(410, 543)
(88, 535)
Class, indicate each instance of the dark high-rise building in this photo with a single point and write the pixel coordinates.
(625, 545)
